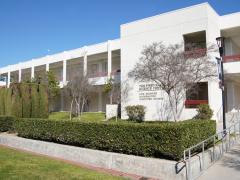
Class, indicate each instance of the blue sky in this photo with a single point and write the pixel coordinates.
(35, 28)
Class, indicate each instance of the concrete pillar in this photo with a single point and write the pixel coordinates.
(100, 101)
(19, 75)
(9, 79)
(32, 72)
(64, 72)
(47, 67)
(109, 59)
(85, 62)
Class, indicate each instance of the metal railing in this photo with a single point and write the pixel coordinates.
(224, 139)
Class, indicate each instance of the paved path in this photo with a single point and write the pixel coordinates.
(228, 168)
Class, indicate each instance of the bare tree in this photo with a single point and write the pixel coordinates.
(174, 70)
(78, 90)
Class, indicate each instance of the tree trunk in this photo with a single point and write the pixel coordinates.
(83, 103)
(172, 108)
(77, 107)
(71, 109)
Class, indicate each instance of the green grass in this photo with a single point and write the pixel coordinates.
(59, 115)
(93, 117)
(86, 116)
(25, 166)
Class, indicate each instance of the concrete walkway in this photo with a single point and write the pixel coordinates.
(228, 168)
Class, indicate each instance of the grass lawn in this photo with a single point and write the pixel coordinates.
(94, 117)
(87, 116)
(25, 166)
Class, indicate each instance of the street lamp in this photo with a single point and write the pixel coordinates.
(221, 47)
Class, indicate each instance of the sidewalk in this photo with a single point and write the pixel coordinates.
(228, 168)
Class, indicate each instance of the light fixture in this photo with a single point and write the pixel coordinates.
(220, 43)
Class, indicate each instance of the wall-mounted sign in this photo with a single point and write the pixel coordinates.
(149, 92)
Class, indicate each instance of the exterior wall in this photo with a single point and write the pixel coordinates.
(136, 35)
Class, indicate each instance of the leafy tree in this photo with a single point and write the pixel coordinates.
(52, 84)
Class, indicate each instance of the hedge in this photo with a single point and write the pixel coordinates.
(166, 140)
(24, 100)
(6, 123)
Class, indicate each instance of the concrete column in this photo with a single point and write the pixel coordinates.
(109, 59)
(85, 62)
(32, 72)
(100, 101)
(64, 72)
(19, 75)
(47, 67)
(9, 79)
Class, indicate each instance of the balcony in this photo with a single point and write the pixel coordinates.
(101, 78)
(232, 58)
(195, 102)
(195, 53)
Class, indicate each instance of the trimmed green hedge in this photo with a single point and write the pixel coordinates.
(24, 100)
(6, 123)
(146, 139)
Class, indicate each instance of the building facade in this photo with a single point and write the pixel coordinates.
(115, 58)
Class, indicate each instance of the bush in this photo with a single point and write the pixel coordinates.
(24, 100)
(146, 139)
(6, 123)
(43, 102)
(16, 101)
(136, 113)
(2, 101)
(204, 112)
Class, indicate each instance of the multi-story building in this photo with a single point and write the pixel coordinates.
(199, 24)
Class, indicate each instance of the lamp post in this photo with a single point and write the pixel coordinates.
(221, 47)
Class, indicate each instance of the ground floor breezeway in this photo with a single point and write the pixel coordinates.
(97, 100)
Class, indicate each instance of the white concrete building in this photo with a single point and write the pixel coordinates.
(196, 24)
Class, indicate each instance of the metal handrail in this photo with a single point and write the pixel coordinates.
(223, 135)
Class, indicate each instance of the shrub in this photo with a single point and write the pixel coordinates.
(43, 102)
(34, 101)
(6, 123)
(204, 112)
(24, 100)
(7, 101)
(2, 101)
(16, 100)
(136, 113)
(145, 139)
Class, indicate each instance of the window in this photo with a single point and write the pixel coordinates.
(196, 40)
(105, 67)
(197, 95)
(94, 69)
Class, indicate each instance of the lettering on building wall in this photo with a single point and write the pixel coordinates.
(149, 92)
